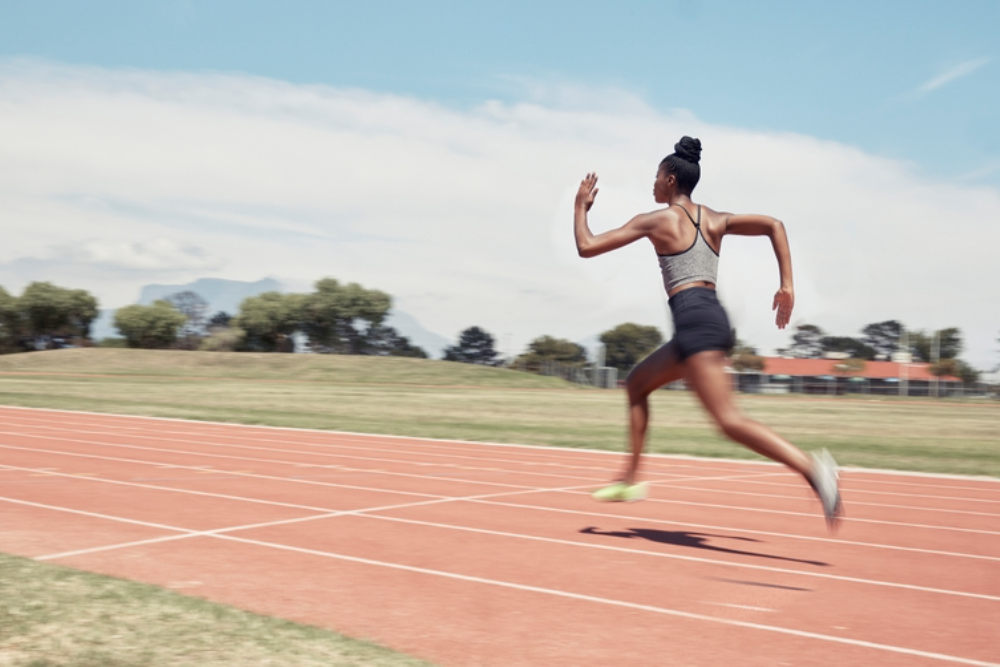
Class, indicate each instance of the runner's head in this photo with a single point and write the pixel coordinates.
(683, 164)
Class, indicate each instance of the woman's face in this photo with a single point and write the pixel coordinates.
(661, 187)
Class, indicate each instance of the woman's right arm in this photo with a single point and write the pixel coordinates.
(763, 225)
(589, 244)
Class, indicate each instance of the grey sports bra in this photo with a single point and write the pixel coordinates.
(698, 262)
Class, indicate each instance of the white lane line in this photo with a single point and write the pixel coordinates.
(181, 490)
(452, 466)
(498, 484)
(193, 492)
(187, 532)
(552, 592)
(552, 461)
(299, 480)
(137, 522)
(368, 512)
(652, 457)
(874, 545)
(285, 450)
(160, 464)
(749, 531)
(853, 502)
(616, 603)
(230, 457)
(852, 519)
(693, 559)
(329, 512)
(739, 606)
(856, 491)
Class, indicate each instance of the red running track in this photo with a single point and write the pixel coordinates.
(483, 554)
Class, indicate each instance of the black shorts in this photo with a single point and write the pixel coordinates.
(700, 322)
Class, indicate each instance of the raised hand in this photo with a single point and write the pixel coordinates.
(587, 193)
(784, 301)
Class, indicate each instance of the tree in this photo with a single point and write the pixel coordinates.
(387, 342)
(807, 342)
(547, 348)
(968, 374)
(336, 317)
(475, 346)
(955, 368)
(48, 311)
(223, 339)
(193, 307)
(220, 320)
(269, 320)
(150, 327)
(949, 344)
(883, 337)
(851, 346)
(745, 358)
(627, 344)
(10, 322)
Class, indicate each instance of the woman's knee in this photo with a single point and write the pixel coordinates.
(732, 423)
(636, 387)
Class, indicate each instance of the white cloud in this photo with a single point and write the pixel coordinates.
(956, 72)
(463, 215)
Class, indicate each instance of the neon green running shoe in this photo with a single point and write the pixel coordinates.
(621, 492)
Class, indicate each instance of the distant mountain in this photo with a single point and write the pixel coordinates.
(227, 294)
(433, 344)
(221, 294)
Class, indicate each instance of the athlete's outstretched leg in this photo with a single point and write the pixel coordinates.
(707, 376)
(709, 380)
(656, 370)
(660, 368)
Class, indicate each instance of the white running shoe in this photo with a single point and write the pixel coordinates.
(825, 481)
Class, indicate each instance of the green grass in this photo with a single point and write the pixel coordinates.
(448, 400)
(53, 616)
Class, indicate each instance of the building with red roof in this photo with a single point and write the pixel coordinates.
(821, 376)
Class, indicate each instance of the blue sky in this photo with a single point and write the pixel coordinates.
(432, 150)
(908, 79)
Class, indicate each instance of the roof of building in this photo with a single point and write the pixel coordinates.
(873, 370)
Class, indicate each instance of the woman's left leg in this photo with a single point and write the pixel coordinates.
(707, 376)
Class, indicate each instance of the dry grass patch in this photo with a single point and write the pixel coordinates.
(52, 616)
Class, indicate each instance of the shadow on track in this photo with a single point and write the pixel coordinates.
(683, 538)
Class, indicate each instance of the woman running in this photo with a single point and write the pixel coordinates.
(687, 238)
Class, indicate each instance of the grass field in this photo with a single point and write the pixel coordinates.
(448, 400)
(53, 616)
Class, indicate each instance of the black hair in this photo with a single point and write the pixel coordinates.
(683, 164)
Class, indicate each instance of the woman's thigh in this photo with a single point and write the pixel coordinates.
(661, 367)
(706, 373)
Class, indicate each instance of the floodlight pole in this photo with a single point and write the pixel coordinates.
(935, 354)
(904, 389)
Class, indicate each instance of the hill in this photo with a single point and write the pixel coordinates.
(338, 369)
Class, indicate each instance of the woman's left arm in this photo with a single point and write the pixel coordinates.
(763, 225)
(590, 245)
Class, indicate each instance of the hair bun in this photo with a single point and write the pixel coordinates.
(688, 149)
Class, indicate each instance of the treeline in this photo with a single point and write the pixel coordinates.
(45, 316)
(338, 318)
(878, 341)
(334, 318)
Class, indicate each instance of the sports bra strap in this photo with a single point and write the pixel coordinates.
(697, 225)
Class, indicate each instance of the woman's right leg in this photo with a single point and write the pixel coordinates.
(660, 368)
